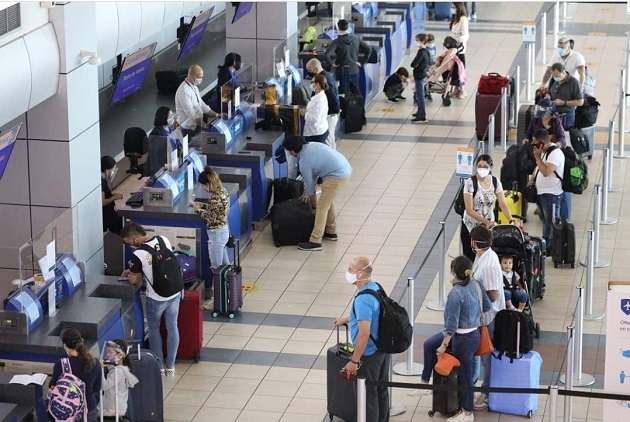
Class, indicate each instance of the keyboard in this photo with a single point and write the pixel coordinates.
(135, 199)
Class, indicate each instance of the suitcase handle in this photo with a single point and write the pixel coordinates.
(347, 338)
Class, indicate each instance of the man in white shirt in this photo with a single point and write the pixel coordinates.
(548, 180)
(487, 271)
(572, 61)
(189, 106)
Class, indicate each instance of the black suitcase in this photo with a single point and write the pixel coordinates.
(445, 402)
(525, 114)
(341, 393)
(285, 189)
(169, 80)
(146, 402)
(292, 222)
(353, 111)
(535, 267)
(563, 244)
(589, 134)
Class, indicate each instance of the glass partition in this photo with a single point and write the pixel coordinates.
(284, 54)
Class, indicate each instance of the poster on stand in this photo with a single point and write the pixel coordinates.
(617, 368)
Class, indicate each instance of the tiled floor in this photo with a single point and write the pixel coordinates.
(269, 363)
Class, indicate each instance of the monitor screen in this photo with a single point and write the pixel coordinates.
(24, 300)
(166, 181)
(197, 161)
(195, 33)
(7, 140)
(132, 74)
(242, 9)
(71, 271)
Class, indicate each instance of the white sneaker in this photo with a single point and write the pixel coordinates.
(208, 304)
(420, 391)
(481, 403)
(461, 416)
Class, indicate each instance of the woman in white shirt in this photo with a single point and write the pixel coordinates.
(316, 113)
(459, 31)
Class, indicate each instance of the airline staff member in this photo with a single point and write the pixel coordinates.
(189, 106)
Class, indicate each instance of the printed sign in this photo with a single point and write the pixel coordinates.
(7, 140)
(529, 32)
(197, 29)
(617, 369)
(464, 162)
(133, 72)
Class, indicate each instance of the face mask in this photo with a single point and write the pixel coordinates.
(198, 81)
(453, 11)
(112, 173)
(351, 278)
(431, 45)
(562, 51)
(417, 43)
(557, 78)
(483, 172)
(310, 75)
(170, 121)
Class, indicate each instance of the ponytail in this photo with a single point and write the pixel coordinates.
(72, 339)
(86, 357)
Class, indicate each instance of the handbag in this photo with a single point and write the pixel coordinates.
(531, 193)
(231, 243)
(485, 344)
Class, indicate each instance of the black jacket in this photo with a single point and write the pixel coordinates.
(346, 50)
(420, 64)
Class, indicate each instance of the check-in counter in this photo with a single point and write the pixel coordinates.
(21, 402)
(181, 222)
(403, 11)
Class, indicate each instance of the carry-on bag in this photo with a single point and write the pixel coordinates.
(525, 114)
(515, 200)
(168, 81)
(190, 325)
(188, 264)
(341, 394)
(518, 373)
(228, 286)
(535, 267)
(563, 243)
(579, 141)
(589, 136)
(485, 105)
(292, 222)
(352, 111)
(512, 334)
(285, 189)
(492, 83)
(445, 402)
(146, 400)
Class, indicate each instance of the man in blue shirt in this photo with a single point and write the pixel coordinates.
(363, 321)
(318, 160)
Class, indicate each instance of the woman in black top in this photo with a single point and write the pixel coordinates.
(84, 366)
(111, 221)
(157, 147)
(227, 73)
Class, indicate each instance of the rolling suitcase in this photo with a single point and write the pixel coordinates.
(353, 112)
(589, 135)
(341, 394)
(168, 81)
(563, 244)
(535, 267)
(515, 200)
(525, 113)
(228, 286)
(485, 105)
(146, 402)
(292, 222)
(445, 402)
(285, 189)
(190, 325)
(519, 373)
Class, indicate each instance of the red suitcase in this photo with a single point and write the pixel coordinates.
(227, 283)
(190, 324)
(485, 105)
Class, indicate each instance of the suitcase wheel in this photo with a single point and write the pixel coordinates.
(231, 315)
(215, 314)
(431, 413)
(572, 265)
(446, 101)
(529, 414)
(537, 329)
(197, 356)
(590, 157)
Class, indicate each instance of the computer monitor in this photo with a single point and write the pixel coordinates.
(196, 29)
(242, 8)
(7, 140)
(68, 268)
(197, 162)
(25, 301)
(133, 72)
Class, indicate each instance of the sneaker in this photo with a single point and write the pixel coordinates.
(420, 391)
(392, 100)
(170, 372)
(309, 246)
(400, 97)
(461, 416)
(481, 403)
(473, 17)
(162, 372)
(208, 304)
(419, 120)
(414, 115)
(330, 236)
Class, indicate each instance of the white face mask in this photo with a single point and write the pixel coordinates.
(170, 121)
(198, 81)
(351, 278)
(483, 172)
(113, 173)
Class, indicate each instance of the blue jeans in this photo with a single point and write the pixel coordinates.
(422, 114)
(430, 359)
(518, 296)
(317, 138)
(568, 120)
(464, 348)
(545, 203)
(217, 238)
(351, 82)
(170, 310)
(565, 207)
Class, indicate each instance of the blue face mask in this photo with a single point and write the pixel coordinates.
(562, 51)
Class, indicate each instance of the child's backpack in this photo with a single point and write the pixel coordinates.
(67, 399)
(512, 334)
(575, 177)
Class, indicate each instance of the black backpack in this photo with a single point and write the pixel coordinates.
(507, 326)
(586, 114)
(394, 330)
(575, 177)
(168, 277)
(459, 205)
(300, 96)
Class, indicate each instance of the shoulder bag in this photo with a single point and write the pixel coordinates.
(485, 345)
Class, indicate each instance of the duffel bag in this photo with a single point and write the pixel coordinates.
(492, 84)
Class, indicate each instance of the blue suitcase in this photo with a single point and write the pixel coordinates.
(520, 373)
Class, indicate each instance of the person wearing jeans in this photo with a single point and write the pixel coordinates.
(140, 266)
(420, 65)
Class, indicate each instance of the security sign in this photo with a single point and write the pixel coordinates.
(529, 32)
(464, 163)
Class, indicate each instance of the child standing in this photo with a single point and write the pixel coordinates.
(420, 66)
(395, 85)
(430, 46)
(513, 288)
(119, 371)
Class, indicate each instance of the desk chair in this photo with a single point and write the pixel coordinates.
(134, 144)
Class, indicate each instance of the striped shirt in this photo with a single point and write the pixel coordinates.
(487, 270)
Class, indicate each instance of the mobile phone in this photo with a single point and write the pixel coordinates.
(123, 278)
(348, 376)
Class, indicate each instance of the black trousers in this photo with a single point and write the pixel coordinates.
(464, 235)
(376, 367)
